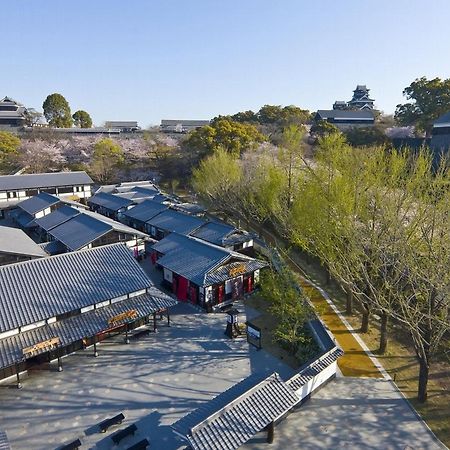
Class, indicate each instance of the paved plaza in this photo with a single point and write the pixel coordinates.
(158, 378)
(154, 381)
(352, 413)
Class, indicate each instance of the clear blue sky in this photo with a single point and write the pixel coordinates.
(147, 60)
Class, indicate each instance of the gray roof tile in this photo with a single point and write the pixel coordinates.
(15, 241)
(79, 231)
(43, 288)
(84, 325)
(43, 180)
(57, 217)
(174, 221)
(110, 201)
(236, 415)
(145, 210)
(38, 203)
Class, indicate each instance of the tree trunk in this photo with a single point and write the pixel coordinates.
(383, 333)
(365, 320)
(349, 302)
(422, 393)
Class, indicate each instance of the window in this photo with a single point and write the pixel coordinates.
(31, 192)
(65, 190)
(12, 194)
(49, 190)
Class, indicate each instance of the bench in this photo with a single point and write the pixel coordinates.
(141, 445)
(72, 445)
(105, 424)
(119, 435)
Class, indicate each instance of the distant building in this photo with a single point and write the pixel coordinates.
(123, 126)
(440, 140)
(361, 99)
(346, 119)
(340, 105)
(13, 115)
(182, 126)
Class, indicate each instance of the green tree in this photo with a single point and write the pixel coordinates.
(218, 180)
(366, 136)
(107, 158)
(82, 119)
(323, 128)
(245, 116)
(9, 143)
(224, 133)
(429, 100)
(57, 111)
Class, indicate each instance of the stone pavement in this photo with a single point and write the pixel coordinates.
(154, 381)
(352, 413)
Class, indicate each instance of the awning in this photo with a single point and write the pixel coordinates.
(84, 325)
(235, 416)
(233, 270)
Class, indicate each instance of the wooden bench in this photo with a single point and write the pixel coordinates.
(72, 445)
(141, 445)
(105, 424)
(119, 435)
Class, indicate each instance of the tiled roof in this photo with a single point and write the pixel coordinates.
(42, 180)
(38, 203)
(236, 415)
(145, 210)
(196, 260)
(57, 217)
(4, 443)
(116, 226)
(15, 241)
(109, 201)
(222, 273)
(190, 258)
(36, 290)
(338, 114)
(444, 119)
(213, 232)
(79, 231)
(309, 372)
(174, 221)
(84, 325)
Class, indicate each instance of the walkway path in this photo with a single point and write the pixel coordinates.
(357, 360)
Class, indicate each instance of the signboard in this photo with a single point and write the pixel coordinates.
(131, 314)
(254, 335)
(41, 347)
(237, 270)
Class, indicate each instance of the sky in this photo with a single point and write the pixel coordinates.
(148, 60)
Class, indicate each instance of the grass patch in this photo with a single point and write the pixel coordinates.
(268, 322)
(399, 360)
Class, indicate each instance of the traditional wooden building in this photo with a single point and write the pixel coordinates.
(16, 246)
(138, 216)
(361, 100)
(15, 188)
(204, 274)
(54, 306)
(13, 115)
(35, 207)
(109, 205)
(170, 221)
(346, 119)
(440, 140)
(225, 236)
(68, 229)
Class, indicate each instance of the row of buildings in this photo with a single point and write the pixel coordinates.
(69, 266)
